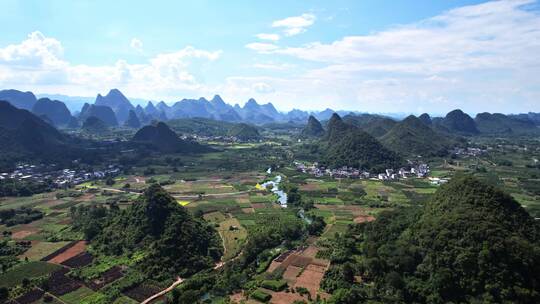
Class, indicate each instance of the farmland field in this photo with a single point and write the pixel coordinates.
(26, 270)
(77, 296)
(42, 249)
(233, 235)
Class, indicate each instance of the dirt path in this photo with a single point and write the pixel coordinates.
(164, 291)
(180, 281)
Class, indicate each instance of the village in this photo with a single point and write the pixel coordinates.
(468, 152)
(414, 169)
(59, 178)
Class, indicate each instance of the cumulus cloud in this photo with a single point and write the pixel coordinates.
(34, 52)
(271, 37)
(295, 25)
(471, 57)
(136, 44)
(38, 62)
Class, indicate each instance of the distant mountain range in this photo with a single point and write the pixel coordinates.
(216, 108)
(114, 110)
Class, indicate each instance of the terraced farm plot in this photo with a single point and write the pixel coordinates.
(72, 251)
(210, 187)
(335, 228)
(17, 202)
(254, 199)
(77, 296)
(23, 231)
(33, 269)
(39, 250)
(221, 205)
(233, 236)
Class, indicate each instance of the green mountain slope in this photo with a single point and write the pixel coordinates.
(244, 131)
(374, 125)
(497, 123)
(172, 241)
(457, 122)
(160, 137)
(471, 244)
(94, 125)
(313, 128)
(347, 145)
(413, 137)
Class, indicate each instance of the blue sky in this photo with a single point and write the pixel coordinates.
(374, 56)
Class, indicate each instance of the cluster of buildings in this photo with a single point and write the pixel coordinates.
(60, 178)
(468, 151)
(419, 170)
(226, 139)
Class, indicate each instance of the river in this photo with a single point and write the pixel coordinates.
(282, 196)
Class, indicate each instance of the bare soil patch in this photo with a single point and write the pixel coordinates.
(21, 234)
(311, 279)
(310, 251)
(363, 219)
(248, 210)
(67, 254)
(283, 297)
(291, 273)
(273, 266)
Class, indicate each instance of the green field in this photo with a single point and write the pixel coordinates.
(233, 235)
(42, 249)
(76, 297)
(15, 275)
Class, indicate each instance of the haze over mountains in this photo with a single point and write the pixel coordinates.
(114, 110)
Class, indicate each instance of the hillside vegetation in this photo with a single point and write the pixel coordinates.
(413, 137)
(156, 227)
(471, 243)
(347, 145)
(160, 137)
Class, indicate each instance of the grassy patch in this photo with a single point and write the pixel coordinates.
(77, 296)
(28, 270)
(233, 235)
(42, 249)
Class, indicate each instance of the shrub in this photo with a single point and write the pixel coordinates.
(260, 295)
(275, 285)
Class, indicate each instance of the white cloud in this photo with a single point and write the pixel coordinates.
(262, 47)
(136, 44)
(295, 25)
(34, 52)
(37, 62)
(271, 37)
(469, 57)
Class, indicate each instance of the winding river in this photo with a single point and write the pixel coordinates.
(282, 196)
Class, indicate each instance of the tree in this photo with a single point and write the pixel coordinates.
(317, 225)
(109, 181)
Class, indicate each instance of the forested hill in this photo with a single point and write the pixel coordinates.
(23, 134)
(160, 137)
(471, 243)
(347, 145)
(411, 136)
(313, 128)
(210, 127)
(169, 239)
